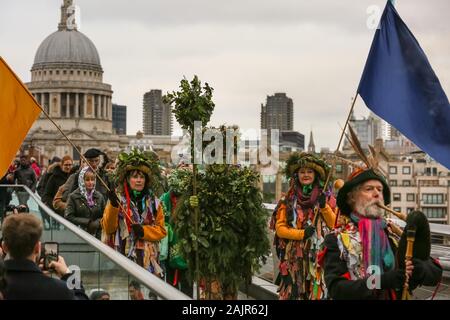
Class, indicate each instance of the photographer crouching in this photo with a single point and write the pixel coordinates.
(24, 278)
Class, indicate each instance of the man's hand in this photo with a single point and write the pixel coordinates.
(409, 268)
(393, 228)
(193, 201)
(58, 267)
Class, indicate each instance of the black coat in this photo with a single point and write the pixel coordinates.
(340, 288)
(78, 212)
(26, 176)
(56, 179)
(44, 179)
(25, 281)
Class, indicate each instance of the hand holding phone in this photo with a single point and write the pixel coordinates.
(50, 253)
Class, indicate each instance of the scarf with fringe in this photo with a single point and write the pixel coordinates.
(376, 250)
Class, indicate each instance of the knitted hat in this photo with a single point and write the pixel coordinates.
(299, 160)
(357, 177)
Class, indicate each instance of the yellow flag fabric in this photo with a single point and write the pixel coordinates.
(18, 111)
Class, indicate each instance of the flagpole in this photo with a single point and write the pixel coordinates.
(54, 123)
(316, 217)
(340, 141)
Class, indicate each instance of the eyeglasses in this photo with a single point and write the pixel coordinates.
(67, 165)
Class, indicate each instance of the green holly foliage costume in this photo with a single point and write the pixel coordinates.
(232, 238)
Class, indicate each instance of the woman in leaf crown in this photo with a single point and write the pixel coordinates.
(133, 221)
(301, 220)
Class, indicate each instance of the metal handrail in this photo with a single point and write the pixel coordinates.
(151, 281)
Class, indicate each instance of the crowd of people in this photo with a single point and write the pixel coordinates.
(328, 240)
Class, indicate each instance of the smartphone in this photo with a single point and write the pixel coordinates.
(51, 252)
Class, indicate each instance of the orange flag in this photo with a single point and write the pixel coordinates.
(18, 111)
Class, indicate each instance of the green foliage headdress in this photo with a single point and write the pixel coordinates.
(299, 160)
(145, 161)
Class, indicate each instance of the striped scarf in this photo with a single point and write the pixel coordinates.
(375, 243)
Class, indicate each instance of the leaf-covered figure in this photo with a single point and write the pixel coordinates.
(233, 240)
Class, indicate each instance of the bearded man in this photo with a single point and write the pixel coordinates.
(360, 258)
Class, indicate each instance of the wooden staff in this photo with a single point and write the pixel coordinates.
(317, 215)
(410, 237)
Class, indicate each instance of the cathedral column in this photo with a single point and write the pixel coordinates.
(97, 106)
(85, 106)
(107, 106)
(59, 106)
(67, 105)
(77, 115)
(109, 109)
(104, 106)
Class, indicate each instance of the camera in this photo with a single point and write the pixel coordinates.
(12, 209)
(49, 252)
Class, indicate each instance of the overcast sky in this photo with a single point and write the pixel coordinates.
(314, 51)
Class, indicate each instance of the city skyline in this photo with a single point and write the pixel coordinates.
(311, 51)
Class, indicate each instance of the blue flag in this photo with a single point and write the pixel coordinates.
(399, 85)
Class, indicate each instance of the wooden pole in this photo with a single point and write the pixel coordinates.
(340, 140)
(317, 215)
(410, 237)
(196, 215)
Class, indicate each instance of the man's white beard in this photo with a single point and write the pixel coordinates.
(369, 209)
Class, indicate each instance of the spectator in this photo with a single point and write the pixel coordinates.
(60, 174)
(35, 167)
(93, 157)
(100, 295)
(5, 195)
(152, 295)
(46, 176)
(134, 289)
(46, 195)
(110, 167)
(85, 205)
(25, 175)
(25, 279)
(14, 165)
